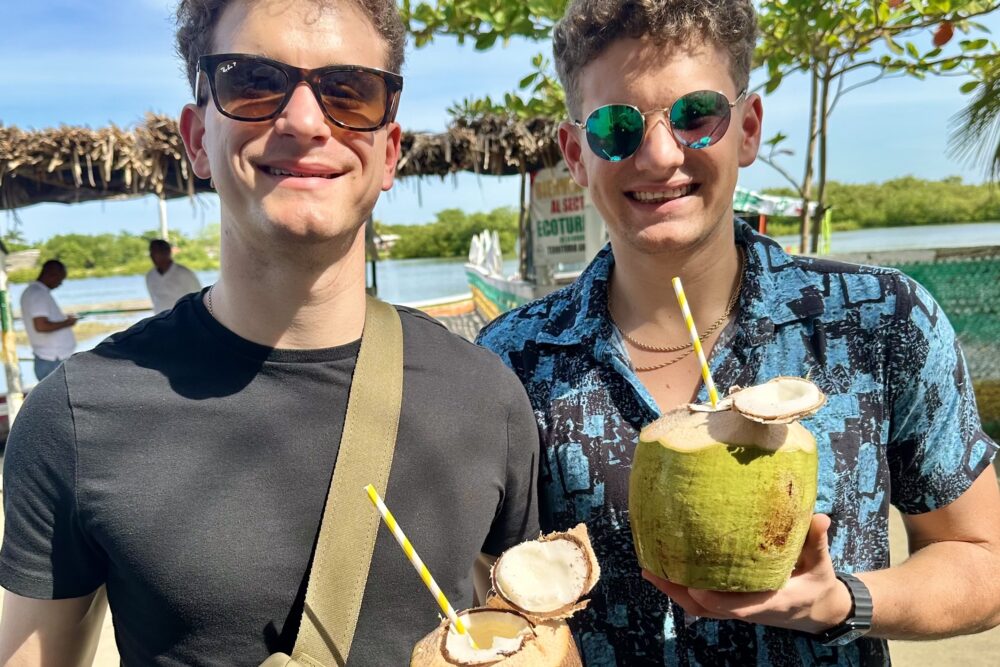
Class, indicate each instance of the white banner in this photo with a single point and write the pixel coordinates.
(566, 229)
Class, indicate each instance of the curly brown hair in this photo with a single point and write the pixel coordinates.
(589, 26)
(196, 21)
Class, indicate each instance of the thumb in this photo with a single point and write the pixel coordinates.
(816, 548)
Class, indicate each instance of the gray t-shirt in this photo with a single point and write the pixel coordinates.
(187, 469)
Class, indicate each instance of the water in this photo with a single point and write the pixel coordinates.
(415, 280)
(906, 238)
(399, 281)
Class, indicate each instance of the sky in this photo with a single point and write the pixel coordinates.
(68, 62)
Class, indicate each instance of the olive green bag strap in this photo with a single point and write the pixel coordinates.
(345, 544)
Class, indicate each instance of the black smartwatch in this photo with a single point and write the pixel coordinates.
(858, 622)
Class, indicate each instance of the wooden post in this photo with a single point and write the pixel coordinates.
(523, 236)
(15, 392)
(164, 232)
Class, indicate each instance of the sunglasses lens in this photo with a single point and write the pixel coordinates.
(356, 99)
(701, 118)
(248, 89)
(615, 131)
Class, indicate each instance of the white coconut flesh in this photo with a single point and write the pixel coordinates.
(543, 577)
(780, 401)
(687, 431)
(497, 634)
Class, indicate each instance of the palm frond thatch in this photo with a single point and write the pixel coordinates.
(74, 164)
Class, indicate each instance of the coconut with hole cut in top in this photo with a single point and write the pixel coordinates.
(721, 498)
(537, 585)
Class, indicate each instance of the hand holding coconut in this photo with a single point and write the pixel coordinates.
(812, 600)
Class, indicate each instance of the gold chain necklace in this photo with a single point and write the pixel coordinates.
(208, 301)
(688, 347)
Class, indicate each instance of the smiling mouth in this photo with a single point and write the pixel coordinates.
(274, 171)
(662, 196)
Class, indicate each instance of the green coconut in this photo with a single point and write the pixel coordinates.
(721, 499)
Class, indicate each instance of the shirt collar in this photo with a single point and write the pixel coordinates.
(776, 291)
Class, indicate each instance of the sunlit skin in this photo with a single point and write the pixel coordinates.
(301, 139)
(298, 240)
(649, 77)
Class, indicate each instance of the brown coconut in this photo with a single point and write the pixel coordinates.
(536, 586)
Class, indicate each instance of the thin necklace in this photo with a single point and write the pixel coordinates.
(688, 347)
(208, 301)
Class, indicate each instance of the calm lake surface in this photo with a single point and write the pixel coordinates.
(416, 280)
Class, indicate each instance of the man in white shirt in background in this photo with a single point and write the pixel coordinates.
(168, 280)
(49, 329)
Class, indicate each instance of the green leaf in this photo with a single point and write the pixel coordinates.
(883, 12)
(486, 40)
(973, 44)
(968, 87)
(912, 50)
(527, 81)
(893, 46)
(776, 139)
(773, 84)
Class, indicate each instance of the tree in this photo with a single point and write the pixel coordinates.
(829, 40)
(976, 129)
(487, 22)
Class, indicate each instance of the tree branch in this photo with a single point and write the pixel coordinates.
(769, 161)
(929, 63)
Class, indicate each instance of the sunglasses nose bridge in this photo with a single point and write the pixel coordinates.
(302, 110)
(660, 145)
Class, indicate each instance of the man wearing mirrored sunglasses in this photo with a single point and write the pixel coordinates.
(185, 463)
(660, 123)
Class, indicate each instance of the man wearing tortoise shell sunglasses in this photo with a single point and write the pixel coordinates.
(200, 444)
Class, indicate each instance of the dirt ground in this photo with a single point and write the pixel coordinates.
(976, 651)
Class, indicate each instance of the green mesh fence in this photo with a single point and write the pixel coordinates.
(968, 288)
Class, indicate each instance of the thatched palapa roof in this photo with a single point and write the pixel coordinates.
(75, 164)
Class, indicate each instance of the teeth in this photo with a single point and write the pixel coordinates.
(662, 195)
(274, 171)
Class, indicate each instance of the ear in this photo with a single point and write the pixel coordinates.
(393, 136)
(572, 150)
(192, 127)
(751, 124)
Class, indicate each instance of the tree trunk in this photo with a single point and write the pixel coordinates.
(824, 121)
(804, 235)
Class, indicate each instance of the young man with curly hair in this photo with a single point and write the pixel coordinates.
(661, 120)
(184, 464)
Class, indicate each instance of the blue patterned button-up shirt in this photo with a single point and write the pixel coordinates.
(899, 426)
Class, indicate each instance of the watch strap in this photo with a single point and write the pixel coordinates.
(858, 621)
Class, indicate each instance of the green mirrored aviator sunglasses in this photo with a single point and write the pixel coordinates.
(698, 120)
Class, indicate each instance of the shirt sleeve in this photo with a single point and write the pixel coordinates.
(45, 553)
(191, 282)
(32, 305)
(516, 520)
(937, 447)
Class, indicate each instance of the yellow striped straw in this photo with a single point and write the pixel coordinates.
(418, 564)
(713, 394)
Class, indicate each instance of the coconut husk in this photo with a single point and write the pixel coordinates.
(579, 537)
